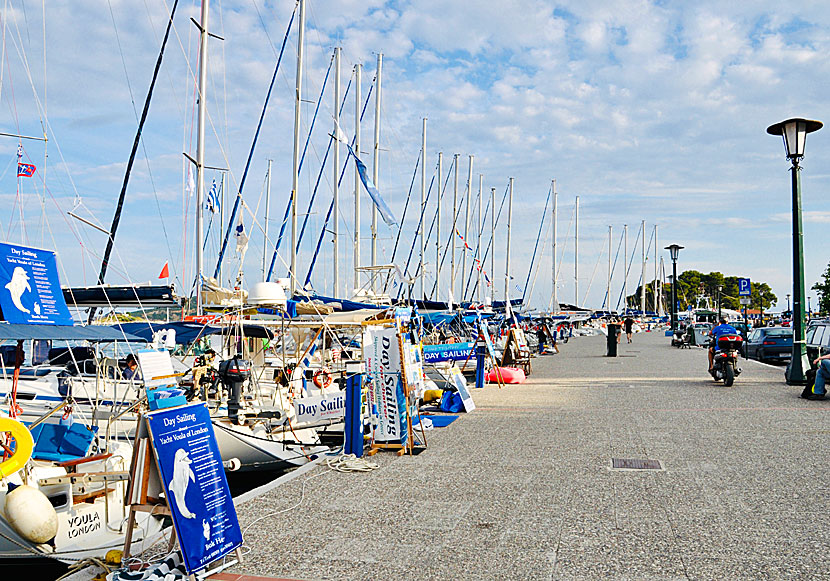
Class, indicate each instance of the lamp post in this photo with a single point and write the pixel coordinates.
(720, 292)
(674, 250)
(794, 132)
(809, 309)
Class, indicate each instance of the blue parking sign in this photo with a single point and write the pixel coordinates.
(744, 287)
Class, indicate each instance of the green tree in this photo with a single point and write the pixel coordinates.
(823, 289)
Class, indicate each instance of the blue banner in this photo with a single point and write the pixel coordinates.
(30, 290)
(194, 484)
(447, 352)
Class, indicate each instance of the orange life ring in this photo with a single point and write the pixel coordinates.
(322, 378)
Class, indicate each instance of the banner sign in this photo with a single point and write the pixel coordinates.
(491, 351)
(194, 484)
(320, 408)
(386, 398)
(460, 383)
(744, 287)
(413, 368)
(30, 290)
(447, 352)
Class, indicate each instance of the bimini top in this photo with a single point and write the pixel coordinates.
(96, 333)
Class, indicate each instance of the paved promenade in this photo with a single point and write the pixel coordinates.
(521, 488)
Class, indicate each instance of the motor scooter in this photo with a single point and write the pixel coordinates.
(725, 364)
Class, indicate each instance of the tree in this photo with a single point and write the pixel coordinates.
(692, 286)
(823, 290)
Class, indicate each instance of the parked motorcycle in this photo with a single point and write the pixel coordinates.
(725, 364)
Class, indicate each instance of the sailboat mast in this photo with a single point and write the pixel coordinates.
(576, 252)
(200, 151)
(656, 273)
(296, 157)
(357, 99)
(493, 239)
(375, 161)
(643, 272)
(423, 201)
(265, 225)
(438, 228)
(507, 258)
(336, 178)
(454, 225)
(554, 299)
(608, 285)
(625, 269)
(478, 237)
(466, 225)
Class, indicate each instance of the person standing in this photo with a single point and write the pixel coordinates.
(629, 327)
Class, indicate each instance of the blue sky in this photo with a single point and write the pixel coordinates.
(650, 111)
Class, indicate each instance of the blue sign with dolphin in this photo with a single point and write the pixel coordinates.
(30, 290)
(194, 484)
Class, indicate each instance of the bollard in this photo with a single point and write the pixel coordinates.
(612, 340)
(481, 351)
(353, 428)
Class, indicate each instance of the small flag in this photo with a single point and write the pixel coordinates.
(165, 272)
(379, 202)
(241, 238)
(19, 151)
(25, 170)
(339, 135)
(191, 183)
(213, 204)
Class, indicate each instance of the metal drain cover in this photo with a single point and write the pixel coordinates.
(635, 464)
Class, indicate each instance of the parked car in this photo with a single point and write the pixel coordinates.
(744, 329)
(817, 338)
(770, 344)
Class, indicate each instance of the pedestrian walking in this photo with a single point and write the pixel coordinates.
(629, 327)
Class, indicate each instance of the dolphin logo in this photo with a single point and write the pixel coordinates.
(206, 529)
(182, 476)
(17, 286)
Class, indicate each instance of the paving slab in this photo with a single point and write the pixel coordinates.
(522, 488)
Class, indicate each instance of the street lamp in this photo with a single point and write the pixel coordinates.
(788, 302)
(720, 291)
(794, 132)
(674, 250)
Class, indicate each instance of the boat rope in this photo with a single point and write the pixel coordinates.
(492, 234)
(478, 249)
(627, 271)
(403, 217)
(536, 246)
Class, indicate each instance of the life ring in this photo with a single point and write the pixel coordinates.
(22, 449)
(322, 378)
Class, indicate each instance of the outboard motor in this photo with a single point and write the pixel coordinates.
(233, 373)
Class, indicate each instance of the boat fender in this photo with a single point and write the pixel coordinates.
(232, 465)
(23, 446)
(30, 514)
(322, 378)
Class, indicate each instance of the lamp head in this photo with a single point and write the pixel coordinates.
(795, 133)
(674, 250)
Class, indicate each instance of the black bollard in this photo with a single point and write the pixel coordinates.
(612, 340)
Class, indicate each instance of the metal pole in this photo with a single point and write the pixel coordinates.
(222, 217)
(507, 257)
(493, 238)
(553, 277)
(656, 275)
(357, 100)
(295, 178)
(265, 225)
(438, 229)
(200, 151)
(336, 179)
(625, 269)
(375, 161)
(466, 225)
(423, 202)
(452, 233)
(576, 253)
(608, 285)
(674, 295)
(643, 272)
(478, 237)
(798, 362)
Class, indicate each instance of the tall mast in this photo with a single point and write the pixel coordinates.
(554, 300)
(265, 226)
(438, 230)
(375, 160)
(466, 225)
(200, 151)
(452, 233)
(576, 252)
(643, 273)
(478, 236)
(608, 285)
(656, 273)
(625, 268)
(423, 201)
(357, 99)
(493, 244)
(336, 178)
(296, 157)
(507, 257)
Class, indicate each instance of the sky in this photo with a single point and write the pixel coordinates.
(646, 110)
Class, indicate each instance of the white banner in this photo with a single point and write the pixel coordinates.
(383, 366)
(320, 408)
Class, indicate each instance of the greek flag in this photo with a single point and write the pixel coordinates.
(213, 204)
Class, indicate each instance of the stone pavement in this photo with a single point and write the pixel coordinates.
(521, 488)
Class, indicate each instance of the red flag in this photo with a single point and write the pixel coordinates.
(165, 272)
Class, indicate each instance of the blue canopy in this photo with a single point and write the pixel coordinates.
(22, 331)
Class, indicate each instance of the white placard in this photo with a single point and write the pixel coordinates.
(383, 366)
(156, 368)
(320, 408)
(460, 383)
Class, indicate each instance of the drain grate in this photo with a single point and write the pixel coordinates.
(635, 464)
